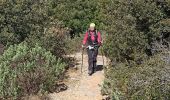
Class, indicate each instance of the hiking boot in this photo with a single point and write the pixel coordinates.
(94, 67)
(90, 73)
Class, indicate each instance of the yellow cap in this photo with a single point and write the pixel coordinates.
(92, 25)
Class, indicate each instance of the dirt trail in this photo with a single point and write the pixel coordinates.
(82, 86)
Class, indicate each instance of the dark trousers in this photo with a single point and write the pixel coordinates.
(92, 59)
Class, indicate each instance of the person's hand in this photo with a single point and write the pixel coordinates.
(90, 47)
(100, 44)
(83, 46)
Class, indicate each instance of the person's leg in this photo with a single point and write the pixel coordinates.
(90, 61)
(95, 58)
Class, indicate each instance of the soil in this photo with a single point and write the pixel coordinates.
(81, 86)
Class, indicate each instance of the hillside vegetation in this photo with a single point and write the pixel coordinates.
(36, 34)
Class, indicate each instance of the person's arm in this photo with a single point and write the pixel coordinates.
(85, 38)
(99, 38)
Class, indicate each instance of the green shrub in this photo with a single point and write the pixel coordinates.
(133, 27)
(149, 81)
(77, 15)
(20, 18)
(73, 45)
(52, 38)
(25, 71)
(30, 21)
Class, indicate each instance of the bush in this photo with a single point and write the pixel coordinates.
(73, 45)
(135, 72)
(51, 38)
(25, 71)
(132, 27)
(30, 21)
(149, 81)
(20, 18)
(76, 15)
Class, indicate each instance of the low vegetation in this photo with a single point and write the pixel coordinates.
(137, 44)
(36, 34)
(26, 71)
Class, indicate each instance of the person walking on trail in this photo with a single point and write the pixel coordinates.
(92, 41)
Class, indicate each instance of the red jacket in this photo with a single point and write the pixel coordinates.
(99, 39)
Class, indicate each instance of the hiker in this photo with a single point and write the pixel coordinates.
(92, 41)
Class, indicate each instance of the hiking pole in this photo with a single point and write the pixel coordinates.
(102, 56)
(82, 61)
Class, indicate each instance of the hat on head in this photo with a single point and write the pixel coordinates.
(92, 25)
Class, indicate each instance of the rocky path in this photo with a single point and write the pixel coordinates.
(82, 86)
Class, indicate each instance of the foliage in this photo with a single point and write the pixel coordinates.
(53, 38)
(73, 45)
(25, 71)
(149, 81)
(133, 26)
(136, 29)
(19, 18)
(76, 14)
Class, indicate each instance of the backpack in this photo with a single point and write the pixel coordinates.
(95, 42)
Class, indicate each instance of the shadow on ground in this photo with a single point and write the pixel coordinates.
(99, 68)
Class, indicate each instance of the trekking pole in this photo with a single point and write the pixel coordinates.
(102, 56)
(82, 61)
